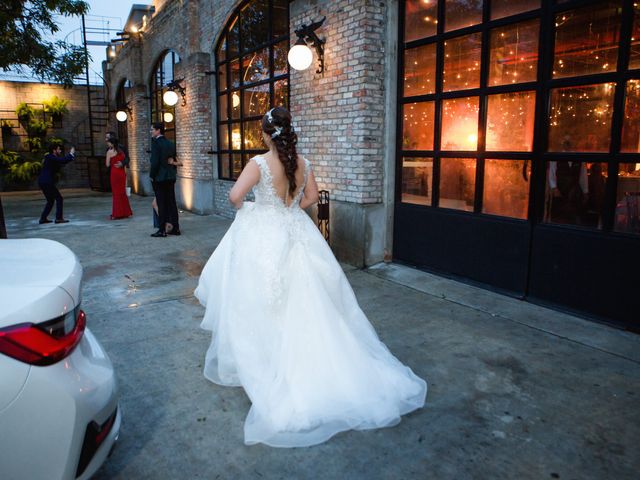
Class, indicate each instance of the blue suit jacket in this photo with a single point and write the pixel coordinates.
(51, 166)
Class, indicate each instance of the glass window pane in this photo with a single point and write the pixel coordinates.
(457, 183)
(256, 100)
(222, 107)
(223, 167)
(281, 93)
(627, 217)
(631, 121)
(506, 187)
(235, 105)
(580, 118)
(462, 13)
(417, 178)
(280, 65)
(222, 50)
(510, 121)
(506, 8)
(253, 135)
(514, 53)
(223, 137)
(222, 77)
(462, 62)
(280, 22)
(421, 19)
(418, 126)
(233, 39)
(420, 70)
(236, 165)
(587, 40)
(460, 124)
(235, 73)
(575, 193)
(255, 24)
(255, 66)
(236, 138)
(634, 60)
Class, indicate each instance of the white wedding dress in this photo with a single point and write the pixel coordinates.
(287, 327)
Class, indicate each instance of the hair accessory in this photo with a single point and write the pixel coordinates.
(270, 119)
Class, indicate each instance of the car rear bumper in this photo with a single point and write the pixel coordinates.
(47, 422)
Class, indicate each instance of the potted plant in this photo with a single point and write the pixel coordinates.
(56, 107)
(25, 112)
(6, 127)
(16, 170)
(37, 128)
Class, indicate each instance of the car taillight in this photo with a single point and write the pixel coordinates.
(44, 343)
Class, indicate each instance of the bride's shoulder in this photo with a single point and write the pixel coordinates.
(258, 159)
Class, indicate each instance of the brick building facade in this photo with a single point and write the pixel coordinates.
(345, 117)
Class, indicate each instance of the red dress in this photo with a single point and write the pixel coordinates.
(121, 207)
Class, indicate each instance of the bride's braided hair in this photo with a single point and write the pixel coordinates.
(277, 124)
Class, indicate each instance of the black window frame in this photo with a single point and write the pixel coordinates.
(157, 87)
(543, 86)
(227, 154)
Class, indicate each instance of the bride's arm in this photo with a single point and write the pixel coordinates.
(310, 194)
(248, 178)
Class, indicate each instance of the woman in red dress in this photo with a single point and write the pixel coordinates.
(114, 159)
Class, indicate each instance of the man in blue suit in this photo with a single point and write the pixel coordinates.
(53, 162)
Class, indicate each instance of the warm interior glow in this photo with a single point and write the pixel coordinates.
(235, 100)
(300, 57)
(170, 98)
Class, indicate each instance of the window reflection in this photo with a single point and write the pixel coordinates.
(224, 166)
(256, 100)
(587, 40)
(223, 138)
(462, 13)
(631, 122)
(457, 183)
(235, 105)
(575, 193)
(280, 52)
(417, 177)
(281, 93)
(510, 121)
(627, 214)
(462, 62)
(514, 53)
(280, 21)
(255, 66)
(255, 25)
(418, 126)
(421, 19)
(222, 107)
(460, 124)
(253, 135)
(506, 188)
(634, 59)
(222, 78)
(506, 8)
(420, 70)
(580, 118)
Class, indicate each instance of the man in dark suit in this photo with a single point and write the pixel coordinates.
(163, 179)
(48, 178)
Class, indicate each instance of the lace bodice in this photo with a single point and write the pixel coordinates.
(264, 191)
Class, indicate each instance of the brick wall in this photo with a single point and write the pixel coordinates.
(73, 127)
(342, 133)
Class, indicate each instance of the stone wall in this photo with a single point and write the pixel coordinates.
(73, 127)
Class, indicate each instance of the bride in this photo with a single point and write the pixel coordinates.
(286, 324)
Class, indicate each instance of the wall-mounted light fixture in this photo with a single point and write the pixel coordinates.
(123, 112)
(170, 97)
(300, 55)
(167, 117)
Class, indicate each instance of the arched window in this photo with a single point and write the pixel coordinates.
(122, 99)
(161, 112)
(253, 76)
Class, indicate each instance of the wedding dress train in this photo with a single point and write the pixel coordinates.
(288, 329)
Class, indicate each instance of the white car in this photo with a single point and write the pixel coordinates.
(59, 416)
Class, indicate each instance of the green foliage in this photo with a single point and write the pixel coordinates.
(56, 106)
(18, 169)
(25, 27)
(25, 111)
(33, 144)
(6, 125)
(37, 128)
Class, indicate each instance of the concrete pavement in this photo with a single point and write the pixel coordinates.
(516, 391)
